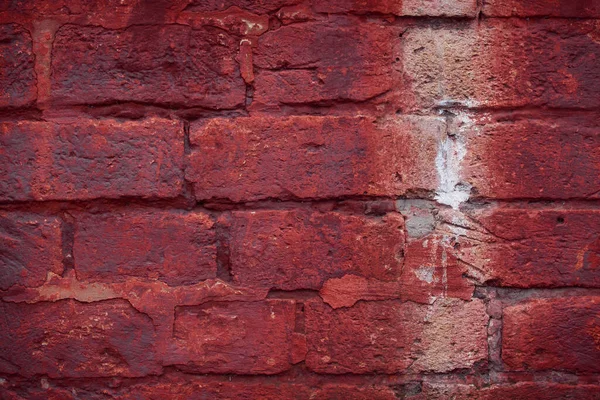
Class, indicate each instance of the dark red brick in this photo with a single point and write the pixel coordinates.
(216, 391)
(345, 60)
(260, 7)
(390, 337)
(519, 391)
(30, 247)
(169, 246)
(234, 337)
(503, 63)
(549, 334)
(542, 8)
(254, 158)
(351, 392)
(300, 249)
(536, 248)
(17, 75)
(550, 158)
(455, 8)
(107, 13)
(73, 159)
(172, 65)
(68, 339)
(202, 389)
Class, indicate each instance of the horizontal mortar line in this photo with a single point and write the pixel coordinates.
(537, 203)
(536, 18)
(182, 203)
(384, 17)
(310, 378)
(506, 291)
(153, 111)
(95, 111)
(508, 109)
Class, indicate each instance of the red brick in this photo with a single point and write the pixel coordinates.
(430, 270)
(503, 63)
(30, 247)
(455, 8)
(107, 13)
(234, 337)
(345, 60)
(300, 249)
(171, 65)
(542, 8)
(536, 248)
(550, 334)
(206, 389)
(391, 337)
(551, 158)
(254, 158)
(519, 391)
(172, 247)
(260, 7)
(86, 159)
(216, 391)
(17, 75)
(349, 289)
(75, 340)
(350, 392)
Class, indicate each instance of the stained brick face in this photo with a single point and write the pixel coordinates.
(299, 199)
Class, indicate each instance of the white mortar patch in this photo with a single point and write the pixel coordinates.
(425, 273)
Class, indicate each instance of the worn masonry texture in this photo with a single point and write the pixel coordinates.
(299, 199)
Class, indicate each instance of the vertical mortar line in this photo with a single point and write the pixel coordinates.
(68, 239)
(222, 242)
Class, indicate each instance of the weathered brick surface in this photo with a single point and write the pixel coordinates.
(17, 76)
(300, 249)
(542, 8)
(86, 159)
(199, 388)
(519, 391)
(503, 63)
(170, 65)
(390, 337)
(299, 199)
(537, 248)
(346, 60)
(30, 247)
(255, 158)
(547, 334)
(72, 339)
(263, 6)
(108, 13)
(238, 338)
(455, 8)
(534, 159)
(172, 247)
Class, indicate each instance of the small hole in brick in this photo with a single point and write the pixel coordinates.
(560, 220)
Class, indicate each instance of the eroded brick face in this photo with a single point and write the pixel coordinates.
(299, 199)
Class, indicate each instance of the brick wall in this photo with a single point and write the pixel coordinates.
(286, 199)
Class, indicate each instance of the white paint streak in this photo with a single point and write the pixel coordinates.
(451, 152)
